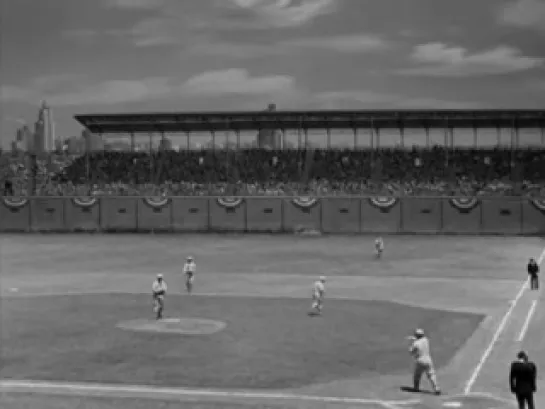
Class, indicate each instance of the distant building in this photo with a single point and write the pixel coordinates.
(92, 142)
(269, 138)
(165, 144)
(45, 138)
(24, 139)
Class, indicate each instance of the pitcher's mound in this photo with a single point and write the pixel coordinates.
(187, 326)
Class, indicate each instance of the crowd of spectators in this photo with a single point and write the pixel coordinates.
(434, 171)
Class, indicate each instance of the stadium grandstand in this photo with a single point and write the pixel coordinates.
(384, 152)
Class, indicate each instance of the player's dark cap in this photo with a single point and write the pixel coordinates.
(522, 355)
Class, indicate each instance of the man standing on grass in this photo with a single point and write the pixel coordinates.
(189, 270)
(533, 271)
(159, 291)
(420, 350)
(318, 293)
(522, 380)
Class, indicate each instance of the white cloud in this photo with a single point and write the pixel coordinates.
(524, 13)
(369, 99)
(237, 81)
(286, 13)
(102, 93)
(211, 83)
(350, 44)
(440, 60)
(135, 4)
(347, 43)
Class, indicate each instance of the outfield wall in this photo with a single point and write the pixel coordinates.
(337, 215)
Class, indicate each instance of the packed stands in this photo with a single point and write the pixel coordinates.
(434, 171)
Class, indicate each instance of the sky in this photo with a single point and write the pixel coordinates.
(101, 56)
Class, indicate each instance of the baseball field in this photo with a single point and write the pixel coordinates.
(78, 329)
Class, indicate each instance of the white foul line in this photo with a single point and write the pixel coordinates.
(527, 321)
(499, 330)
(150, 391)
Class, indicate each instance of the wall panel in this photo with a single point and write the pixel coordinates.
(190, 214)
(264, 214)
(462, 215)
(341, 215)
(533, 216)
(302, 213)
(154, 214)
(14, 215)
(501, 216)
(227, 214)
(421, 215)
(380, 215)
(118, 213)
(47, 214)
(82, 214)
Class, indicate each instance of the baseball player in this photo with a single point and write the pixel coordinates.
(189, 271)
(533, 271)
(379, 247)
(159, 290)
(420, 351)
(318, 293)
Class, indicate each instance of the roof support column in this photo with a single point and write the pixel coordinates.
(284, 142)
(151, 161)
(475, 136)
(133, 145)
(237, 132)
(328, 131)
(187, 140)
(213, 140)
(402, 134)
(355, 132)
(305, 132)
(498, 135)
(427, 129)
(377, 130)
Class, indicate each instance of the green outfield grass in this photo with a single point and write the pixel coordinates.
(268, 343)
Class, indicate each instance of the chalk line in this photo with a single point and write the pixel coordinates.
(499, 330)
(524, 328)
(158, 392)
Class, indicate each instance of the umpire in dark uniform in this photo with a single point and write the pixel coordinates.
(522, 380)
(533, 271)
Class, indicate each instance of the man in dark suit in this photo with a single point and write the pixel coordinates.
(533, 271)
(522, 380)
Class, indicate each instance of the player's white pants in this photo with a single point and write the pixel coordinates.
(421, 367)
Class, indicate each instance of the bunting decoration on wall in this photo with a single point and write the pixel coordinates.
(230, 202)
(15, 202)
(84, 201)
(156, 202)
(464, 204)
(539, 204)
(384, 203)
(305, 202)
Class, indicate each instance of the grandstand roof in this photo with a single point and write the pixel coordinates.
(244, 121)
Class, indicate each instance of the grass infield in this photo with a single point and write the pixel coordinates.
(267, 343)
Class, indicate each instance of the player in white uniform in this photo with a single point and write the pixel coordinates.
(420, 350)
(318, 293)
(189, 271)
(379, 247)
(159, 291)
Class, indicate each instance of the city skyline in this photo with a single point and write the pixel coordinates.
(179, 55)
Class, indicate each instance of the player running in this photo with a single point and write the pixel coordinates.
(318, 293)
(420, 350)
(189, 271)
(159, 291)
(379, 247)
